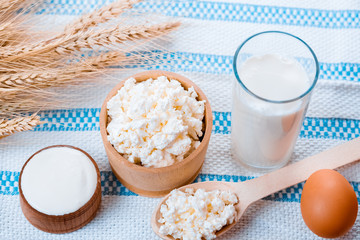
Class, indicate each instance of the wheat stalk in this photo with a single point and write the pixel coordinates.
(19, 124)
(101, 15)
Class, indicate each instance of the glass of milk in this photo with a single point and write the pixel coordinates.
(275, 73)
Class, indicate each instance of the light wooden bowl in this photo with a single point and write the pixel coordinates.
(156, 182)
(62, 223)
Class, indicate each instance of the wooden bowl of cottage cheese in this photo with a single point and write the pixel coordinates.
(156, 127)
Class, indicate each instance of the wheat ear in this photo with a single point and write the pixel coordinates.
(9, 109)
(12, 14)
(9, 5)
(19, 124)
(89, 39)
(71, 30)
(101, 15)
(117, 35)
(69, 75)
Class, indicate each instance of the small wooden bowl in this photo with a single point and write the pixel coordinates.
(62, 223)
(156, 182)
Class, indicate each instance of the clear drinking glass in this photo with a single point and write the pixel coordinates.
(264, 131)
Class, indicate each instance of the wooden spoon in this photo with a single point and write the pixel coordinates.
(255, 189)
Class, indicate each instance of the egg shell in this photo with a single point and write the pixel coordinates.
(328, 204)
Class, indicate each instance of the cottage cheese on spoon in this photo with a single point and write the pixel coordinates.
(196, 215)
(155, 123)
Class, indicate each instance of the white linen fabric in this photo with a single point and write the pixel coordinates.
(204, 47)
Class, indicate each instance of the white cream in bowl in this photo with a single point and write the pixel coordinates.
(58, 180)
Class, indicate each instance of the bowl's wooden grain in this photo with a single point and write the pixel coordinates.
(62, 223)
(156, 182)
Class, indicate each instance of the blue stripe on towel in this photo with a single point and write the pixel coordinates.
(87, 119)
(221, 11)
(223, 64)
(111, 186)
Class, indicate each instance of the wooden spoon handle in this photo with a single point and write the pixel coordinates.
(300, 171)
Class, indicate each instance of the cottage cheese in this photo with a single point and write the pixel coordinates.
(155, 123)
(197, 214)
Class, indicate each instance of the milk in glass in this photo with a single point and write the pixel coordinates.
(268, 110)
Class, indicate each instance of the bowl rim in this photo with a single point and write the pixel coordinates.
(208, 119)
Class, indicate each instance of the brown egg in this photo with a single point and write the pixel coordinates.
(328, 204)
